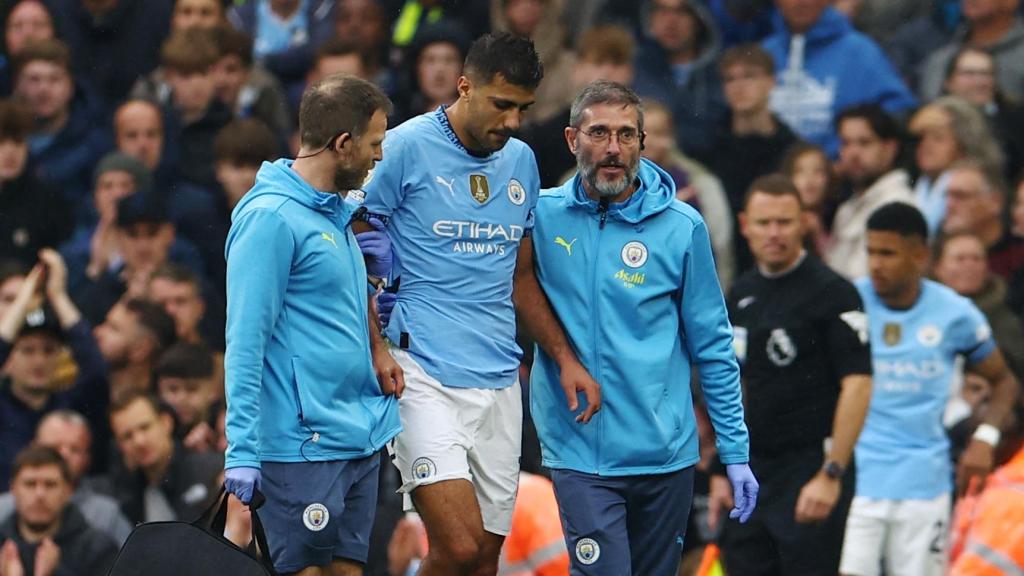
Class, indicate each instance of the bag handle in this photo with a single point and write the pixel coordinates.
(214, 520)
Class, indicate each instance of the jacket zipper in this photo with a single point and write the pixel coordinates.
(602, 210)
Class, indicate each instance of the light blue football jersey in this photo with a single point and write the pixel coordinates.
(455, 221)
(903, 451)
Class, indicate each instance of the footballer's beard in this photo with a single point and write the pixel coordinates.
(607, 188)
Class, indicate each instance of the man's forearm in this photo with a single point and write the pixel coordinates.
(376, 339)
(535, 314)
(851, 411)
(1004, 396)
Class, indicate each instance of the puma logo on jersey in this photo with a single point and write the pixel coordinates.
(329, 238)
(449, 184)
(567, 245)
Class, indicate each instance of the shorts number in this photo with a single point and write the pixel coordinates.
(938, 544)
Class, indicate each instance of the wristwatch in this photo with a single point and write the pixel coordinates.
(833, 469)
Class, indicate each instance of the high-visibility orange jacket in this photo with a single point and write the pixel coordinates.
(988, 528)
(535, 546)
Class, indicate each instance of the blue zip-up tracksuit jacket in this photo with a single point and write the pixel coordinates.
(635, 289)
(299, 380)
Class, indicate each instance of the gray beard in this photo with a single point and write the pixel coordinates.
(606, 189)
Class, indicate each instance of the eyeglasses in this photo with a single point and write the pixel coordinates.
(600, 135)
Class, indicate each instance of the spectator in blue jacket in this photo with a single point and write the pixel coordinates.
(31, 337)
(676, 64)
(113, 41)
(628, 270)
(823, 66)
(28, 21)
(70, 134)
(285, 33)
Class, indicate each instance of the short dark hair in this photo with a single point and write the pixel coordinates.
(233, 42)
(120, 402)
(10, 268)
(155, 320)
(37, 456)
(903, 219)
(190, 51)
(142, 206)
(16, 121)
(773, 185)
(963, 51)
(185, 360)
(748, 54)
(336, 104)
(50, 50)
(178, 274)
(607, 43)
(245, 142)
(882, 124)
(339, 47)
(514, 57)
(605, 92)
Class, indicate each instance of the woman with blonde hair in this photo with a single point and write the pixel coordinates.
(948, 129)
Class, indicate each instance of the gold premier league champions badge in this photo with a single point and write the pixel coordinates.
(479, 188)
(891, 333)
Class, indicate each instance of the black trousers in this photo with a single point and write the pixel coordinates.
(772, 542)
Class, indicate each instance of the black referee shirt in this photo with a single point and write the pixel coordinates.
(796, 336)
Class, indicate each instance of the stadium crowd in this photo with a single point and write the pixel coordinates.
(130, 129)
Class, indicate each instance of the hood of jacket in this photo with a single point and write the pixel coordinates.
(656, 192)
(279, 179)
(707, 50)
(830, 25)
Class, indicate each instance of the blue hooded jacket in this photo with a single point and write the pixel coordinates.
(833, 68)
(298, 376)
(635, 289)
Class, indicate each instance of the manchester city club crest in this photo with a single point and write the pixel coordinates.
(587, 551)
(479, 188)
(516, 192)
(316, 517)
(423, 468)
(634, 254)
(929, 336)
(892, 333)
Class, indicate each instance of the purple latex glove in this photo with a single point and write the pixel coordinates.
(242, 481)
(385, 305)
(376, 248)
(744, 490)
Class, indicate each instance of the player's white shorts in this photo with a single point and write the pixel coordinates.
(452, 433)
(908, 535)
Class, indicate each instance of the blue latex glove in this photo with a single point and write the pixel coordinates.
(376, 248)
(385, 305)
(242, 481)
(744, 490)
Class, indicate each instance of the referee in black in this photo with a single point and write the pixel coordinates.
(802, 341)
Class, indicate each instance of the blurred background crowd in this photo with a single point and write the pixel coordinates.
(129, 129)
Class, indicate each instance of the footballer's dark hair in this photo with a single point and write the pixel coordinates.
(903, 219)
(512, 56)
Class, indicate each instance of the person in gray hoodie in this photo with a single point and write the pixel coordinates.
(995, 26)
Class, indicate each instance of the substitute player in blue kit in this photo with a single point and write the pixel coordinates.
(457, 192)
(629, 272)
(918, 328)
